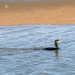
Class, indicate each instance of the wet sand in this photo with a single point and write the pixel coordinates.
(23, 13)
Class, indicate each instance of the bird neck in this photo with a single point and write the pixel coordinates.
(56, 44)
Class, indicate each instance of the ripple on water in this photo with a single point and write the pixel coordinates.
(18, 57)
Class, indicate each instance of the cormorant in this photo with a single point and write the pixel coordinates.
(52, 48)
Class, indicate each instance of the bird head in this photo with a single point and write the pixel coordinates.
(57, 41)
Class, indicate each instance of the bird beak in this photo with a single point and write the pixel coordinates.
(60, 40)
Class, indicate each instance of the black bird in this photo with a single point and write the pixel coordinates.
(52, 48)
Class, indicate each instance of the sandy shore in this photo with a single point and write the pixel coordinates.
(21, 13)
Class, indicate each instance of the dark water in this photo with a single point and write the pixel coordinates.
(18, 57)
(27, 0)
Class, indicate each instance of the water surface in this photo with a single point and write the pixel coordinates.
(18, 57)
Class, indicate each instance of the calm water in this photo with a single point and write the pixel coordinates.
(27, 0)
(18, 57)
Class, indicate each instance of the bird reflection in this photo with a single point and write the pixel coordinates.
(57, 52)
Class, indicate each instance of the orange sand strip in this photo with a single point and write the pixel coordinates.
(37, 13)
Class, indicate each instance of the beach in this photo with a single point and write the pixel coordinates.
(49, 12)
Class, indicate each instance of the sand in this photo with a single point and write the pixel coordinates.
(24, 13)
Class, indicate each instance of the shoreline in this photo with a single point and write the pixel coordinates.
(48, 13)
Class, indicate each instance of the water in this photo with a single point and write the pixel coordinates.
(18, 57)
(28, 0)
